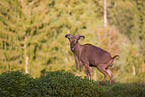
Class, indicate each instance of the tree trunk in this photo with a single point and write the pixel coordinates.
(133, 67)
(25, 54)
(105, 13)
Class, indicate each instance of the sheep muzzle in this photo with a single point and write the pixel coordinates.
(72, 49)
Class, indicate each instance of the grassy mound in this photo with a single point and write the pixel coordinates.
(14, 84)
(64, 84)
(58, 83)
(117, 89)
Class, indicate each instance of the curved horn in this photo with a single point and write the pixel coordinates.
(68, 36)
(79, 36)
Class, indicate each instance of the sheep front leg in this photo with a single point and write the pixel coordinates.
(76, 60)
(88, 71)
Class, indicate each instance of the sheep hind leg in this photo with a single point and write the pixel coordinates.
(105, 74)
(102, 70)
(110, 74)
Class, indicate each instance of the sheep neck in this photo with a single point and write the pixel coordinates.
(78, 49)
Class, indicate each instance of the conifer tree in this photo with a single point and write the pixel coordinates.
(11, 39)
(20, 21)
(32, 32)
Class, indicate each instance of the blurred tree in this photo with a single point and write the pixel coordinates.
(109, 39)
(34, 30)
(11, 40)
(128, 16)
(21, 36)
(141, 8)
(121, 14)
(141, 25)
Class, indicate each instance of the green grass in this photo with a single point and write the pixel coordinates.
(64, 84)
(117, 89)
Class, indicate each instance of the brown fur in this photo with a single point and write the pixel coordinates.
(90, 55)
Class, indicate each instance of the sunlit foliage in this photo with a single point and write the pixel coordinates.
(32, 32)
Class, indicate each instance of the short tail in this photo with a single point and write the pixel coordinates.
(110, 65)
(115, 56)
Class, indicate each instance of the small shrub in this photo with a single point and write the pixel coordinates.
(57, 83)
(14, 83)
(64, 84)
(61, 83)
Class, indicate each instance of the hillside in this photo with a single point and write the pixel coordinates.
(61, 83)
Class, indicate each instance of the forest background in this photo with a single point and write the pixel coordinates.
(32, 35)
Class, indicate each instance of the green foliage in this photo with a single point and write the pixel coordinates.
(61, 83)
(35, 30)
(14, 83)
(58, 83)
(127, 89)
(122, 15)
(10, 27)
(109, 39)
(128, 17)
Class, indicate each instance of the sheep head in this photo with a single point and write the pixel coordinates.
(73, 40)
